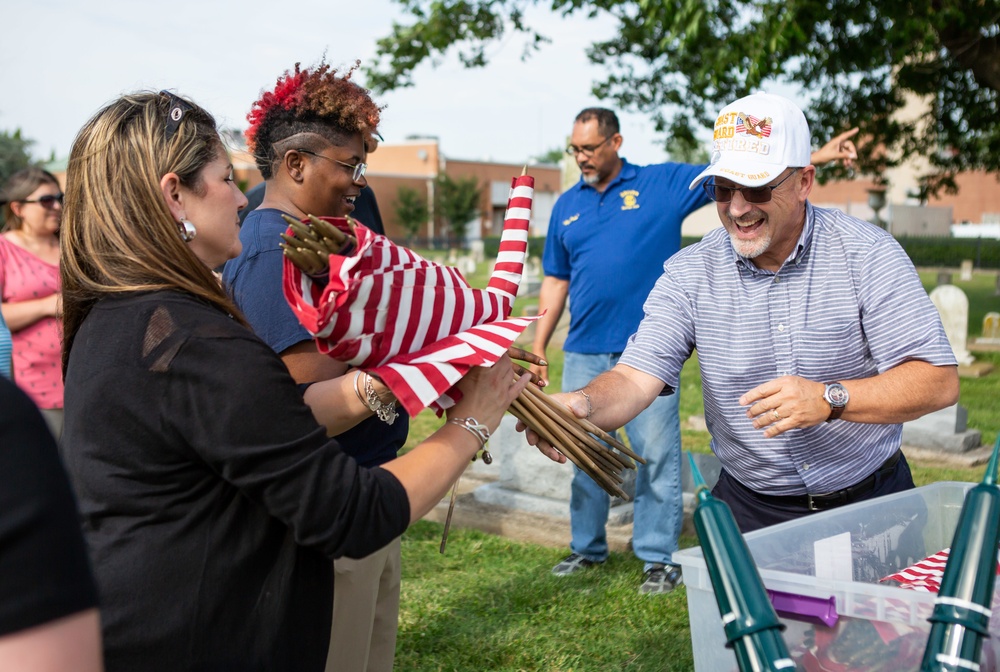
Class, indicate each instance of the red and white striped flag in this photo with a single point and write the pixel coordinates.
(925, 575)
(415, 324)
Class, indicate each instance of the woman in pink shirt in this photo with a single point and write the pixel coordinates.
(30, 288)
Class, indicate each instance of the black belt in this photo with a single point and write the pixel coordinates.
(830, 500)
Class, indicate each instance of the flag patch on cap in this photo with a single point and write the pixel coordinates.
(751, 125)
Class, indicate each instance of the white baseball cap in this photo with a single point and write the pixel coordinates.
(756, 139)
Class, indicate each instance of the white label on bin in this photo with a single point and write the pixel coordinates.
(833, 558)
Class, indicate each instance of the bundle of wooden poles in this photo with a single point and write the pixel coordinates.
(311, 246)
(576, 438)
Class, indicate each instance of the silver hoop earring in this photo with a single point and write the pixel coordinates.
(188, 232)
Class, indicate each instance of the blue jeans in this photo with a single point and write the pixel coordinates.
(655, 434)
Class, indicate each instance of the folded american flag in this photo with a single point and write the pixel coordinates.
(925, 575)
(415, 324)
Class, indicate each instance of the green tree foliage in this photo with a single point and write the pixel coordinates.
(411, 212)
(14, 153)
(683, 150)
(858, 61)
(457, 203)
(553, 156)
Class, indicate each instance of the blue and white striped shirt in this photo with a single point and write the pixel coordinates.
(846, 304)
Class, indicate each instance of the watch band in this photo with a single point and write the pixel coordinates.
(835, 413)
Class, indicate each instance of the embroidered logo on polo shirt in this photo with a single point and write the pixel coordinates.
(567, 222)
(630, 199)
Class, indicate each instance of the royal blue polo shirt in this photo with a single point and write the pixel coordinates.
(611, 247)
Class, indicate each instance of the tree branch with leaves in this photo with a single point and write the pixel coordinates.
(411, 212)
(458, 203)
(858, 62)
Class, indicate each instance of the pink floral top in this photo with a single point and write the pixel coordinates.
(37, 367)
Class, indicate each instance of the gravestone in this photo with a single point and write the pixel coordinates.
(942, 430)
(478, 250)
(991, 329)
(526, 480)
(466, 265)
(953, 306)
(946, 429)
(531, 281)
(944, 278)
(996, 291)
(965, 274)
(529, 481)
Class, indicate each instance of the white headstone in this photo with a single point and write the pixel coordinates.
(953, 306)
(466, 265)
(530, 281)
(991, 328)
(966, 273)
(477, 248)
(527, 479)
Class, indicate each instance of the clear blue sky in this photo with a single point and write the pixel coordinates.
(61, 60)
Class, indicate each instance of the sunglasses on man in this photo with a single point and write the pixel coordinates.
(756, 195)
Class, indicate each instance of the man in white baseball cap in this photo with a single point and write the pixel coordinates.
(815, 338)
(760, 142)
(756, 138)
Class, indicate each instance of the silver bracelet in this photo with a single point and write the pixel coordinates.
(590, 406)
(357, 390)
(481, 431)
(384, 412)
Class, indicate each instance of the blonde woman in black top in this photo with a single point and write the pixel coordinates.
(212, 500)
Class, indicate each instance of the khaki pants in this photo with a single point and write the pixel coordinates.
(54, 419)
(365, 612)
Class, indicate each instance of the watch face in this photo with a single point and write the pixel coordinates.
(836, 394)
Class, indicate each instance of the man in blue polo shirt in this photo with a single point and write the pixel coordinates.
(608, 239)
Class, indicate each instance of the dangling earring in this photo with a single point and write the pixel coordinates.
(188, 232)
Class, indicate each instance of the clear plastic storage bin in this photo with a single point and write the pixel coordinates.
(822, 573)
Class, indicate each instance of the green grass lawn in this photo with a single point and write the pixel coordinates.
(491, 603)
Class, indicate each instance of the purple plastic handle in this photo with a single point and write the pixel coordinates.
(805, 608)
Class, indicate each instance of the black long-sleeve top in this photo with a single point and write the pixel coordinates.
(44, 573)
(211, 499)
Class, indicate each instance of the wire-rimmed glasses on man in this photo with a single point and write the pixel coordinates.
(587, 150)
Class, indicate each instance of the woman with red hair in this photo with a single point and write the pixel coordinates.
(311, 135)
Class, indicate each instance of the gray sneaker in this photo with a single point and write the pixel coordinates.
(661, 579)
(573, 563)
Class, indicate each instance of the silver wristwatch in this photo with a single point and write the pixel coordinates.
(836, 395)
